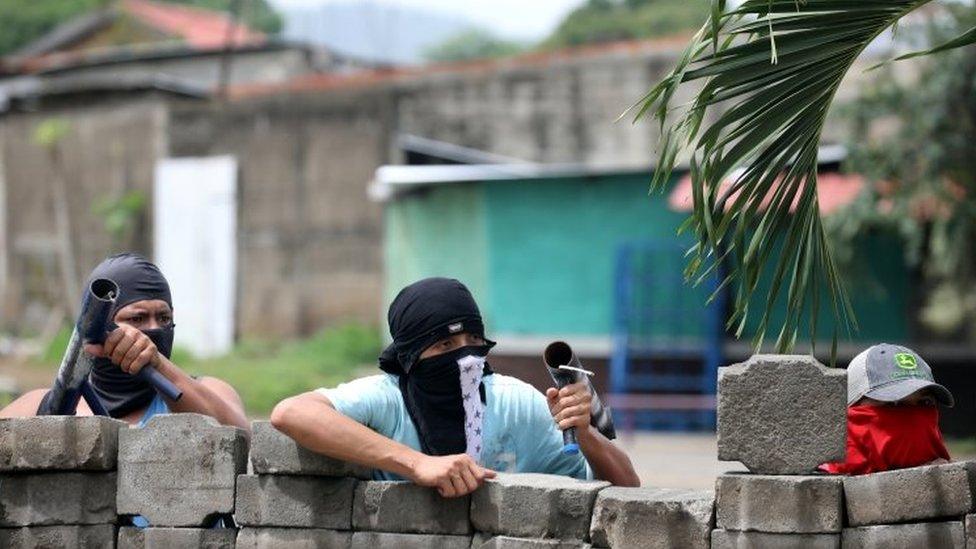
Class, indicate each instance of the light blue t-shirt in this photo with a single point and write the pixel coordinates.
(519, 434)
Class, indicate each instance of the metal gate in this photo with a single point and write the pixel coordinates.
(667, 342)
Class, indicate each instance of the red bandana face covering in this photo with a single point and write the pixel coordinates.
(880, 438)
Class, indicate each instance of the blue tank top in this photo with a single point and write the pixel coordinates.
(156, 407)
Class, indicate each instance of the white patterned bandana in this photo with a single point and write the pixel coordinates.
(471, 369)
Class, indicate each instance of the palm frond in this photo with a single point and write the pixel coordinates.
(769, 71)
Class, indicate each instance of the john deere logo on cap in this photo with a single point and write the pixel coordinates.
(906, 361)
(455, 328)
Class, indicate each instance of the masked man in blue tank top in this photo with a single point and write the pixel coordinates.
(144, 337)
(439, 416)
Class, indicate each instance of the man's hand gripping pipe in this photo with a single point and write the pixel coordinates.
(71, 383)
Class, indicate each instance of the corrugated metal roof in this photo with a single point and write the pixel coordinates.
(391, 180)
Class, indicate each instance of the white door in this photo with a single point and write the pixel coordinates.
(194, 234)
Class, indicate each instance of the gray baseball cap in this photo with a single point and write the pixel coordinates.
(889, 373)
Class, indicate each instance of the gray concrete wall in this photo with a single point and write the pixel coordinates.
(247, 67)
(561, 110)
(309, 240)
(109, 149)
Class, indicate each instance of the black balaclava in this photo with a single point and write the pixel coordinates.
(138, 279)
(422, 314)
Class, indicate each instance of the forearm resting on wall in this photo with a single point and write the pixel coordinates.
(209, 396)
(312, 421)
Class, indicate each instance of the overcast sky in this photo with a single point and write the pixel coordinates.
(527, 19)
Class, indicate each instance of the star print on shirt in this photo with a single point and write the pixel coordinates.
(471, 371)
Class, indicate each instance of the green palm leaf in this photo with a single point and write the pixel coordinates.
(769, 70)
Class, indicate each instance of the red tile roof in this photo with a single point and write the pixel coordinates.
(198, 27)
(834, 191)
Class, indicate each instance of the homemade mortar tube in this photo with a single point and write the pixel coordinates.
(75, 366)
(105, 291)
(71, 382)
(559, 353)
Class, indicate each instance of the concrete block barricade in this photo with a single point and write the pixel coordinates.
(535, 506)
(407, 508)
(652, 517)
(782, 414)
(927, 535)
(970, 525)
(98, 536)
(911, 495)
(164, 538)
(292, 538)
(730, 539)
(295, 501)
(55, 498)
(180, 469)
(273, 452)
(61, 443)
(779, 503)
(386, 540)
(507, 542)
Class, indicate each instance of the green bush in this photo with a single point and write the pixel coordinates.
(265, 372)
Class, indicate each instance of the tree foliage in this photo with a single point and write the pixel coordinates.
(611, 20)
(258, 14)
(768, 71)
(22, 21)
(474, 43)
(913, 139)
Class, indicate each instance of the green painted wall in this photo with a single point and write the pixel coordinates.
(438, 231)
(553, 243)
(539, 255)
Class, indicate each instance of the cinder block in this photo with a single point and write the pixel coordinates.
(164, 538)
(782, 414)
(383, 540)
(405, 507)
(930, 535)
(179, 469)
(652, 517)
(780, 504)
(507, 542)
(40, 499)
(292, 538)
(535, 506)
(273, 452)
(63, 443)
(907, 495)
(98, 536)
(296, 502)
(970, 524)
(730, 539)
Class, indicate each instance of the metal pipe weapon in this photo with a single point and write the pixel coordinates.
(565, 368)
(71, 383)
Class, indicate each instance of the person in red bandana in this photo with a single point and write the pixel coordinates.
(892, 414)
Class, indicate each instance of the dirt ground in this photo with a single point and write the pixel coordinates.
(676, 460)
(18, 377)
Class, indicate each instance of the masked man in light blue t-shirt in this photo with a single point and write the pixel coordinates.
(440, 417)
